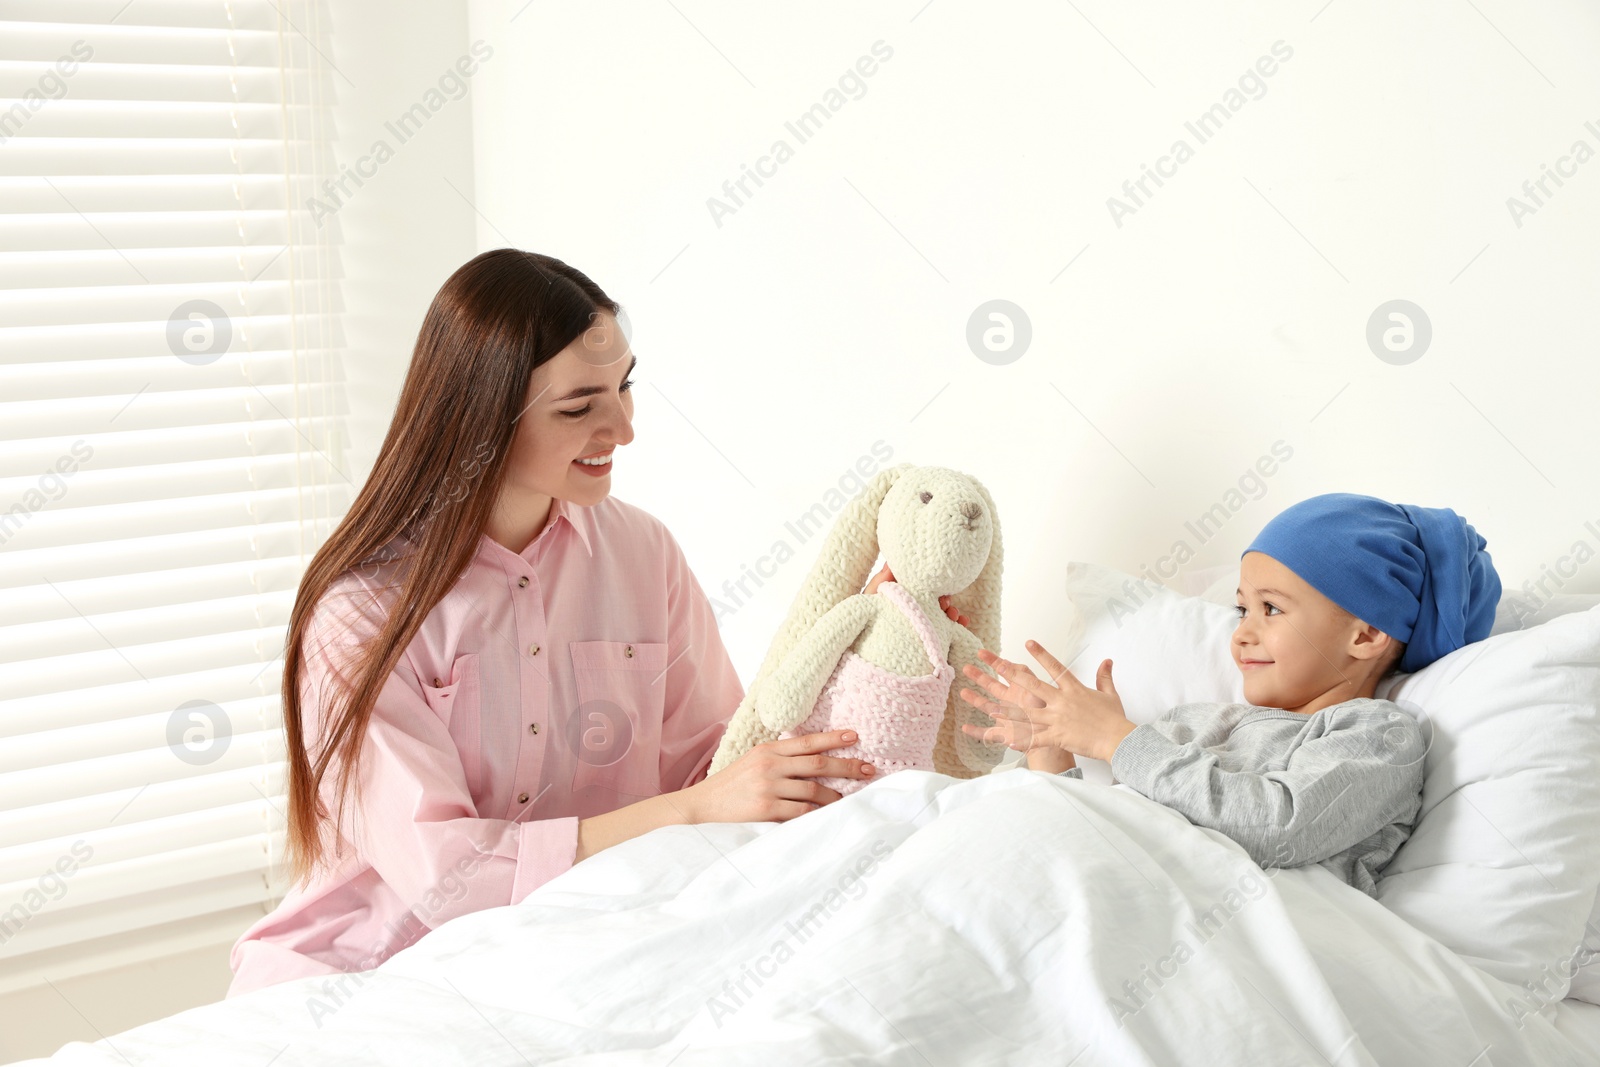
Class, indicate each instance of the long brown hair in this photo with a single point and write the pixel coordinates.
(435, 482)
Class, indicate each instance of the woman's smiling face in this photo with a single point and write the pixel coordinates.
(579, 407)
(1297, 649)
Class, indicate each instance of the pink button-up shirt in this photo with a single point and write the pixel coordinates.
(577, 676)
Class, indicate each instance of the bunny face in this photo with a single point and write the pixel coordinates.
(935, 527)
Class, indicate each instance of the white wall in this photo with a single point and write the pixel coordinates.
(406, 229)
(1227, 313)
(404, 232)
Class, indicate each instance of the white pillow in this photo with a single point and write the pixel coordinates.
(1503, 865)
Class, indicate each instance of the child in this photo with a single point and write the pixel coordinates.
(1335, 593)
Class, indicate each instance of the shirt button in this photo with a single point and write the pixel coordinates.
(533, 650)
(533, 727)
(522, 798)
(437, 684)
(628, 651)
(522, 583)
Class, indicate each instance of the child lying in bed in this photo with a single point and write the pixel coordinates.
(1335, 593)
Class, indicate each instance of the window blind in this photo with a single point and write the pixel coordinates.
(172, 437)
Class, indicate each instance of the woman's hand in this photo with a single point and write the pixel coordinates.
(944, 601)
(772, 782)
(1031, 714)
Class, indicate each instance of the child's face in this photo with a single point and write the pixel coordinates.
(1316, 654)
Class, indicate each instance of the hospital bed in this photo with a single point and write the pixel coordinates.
(1015, 918)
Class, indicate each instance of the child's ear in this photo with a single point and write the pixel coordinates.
(1370, 643)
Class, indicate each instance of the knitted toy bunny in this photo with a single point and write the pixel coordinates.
(882, 665)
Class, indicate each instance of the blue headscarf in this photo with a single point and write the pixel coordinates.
(1420, 575)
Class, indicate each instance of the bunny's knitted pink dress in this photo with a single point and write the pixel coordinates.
(896, 718)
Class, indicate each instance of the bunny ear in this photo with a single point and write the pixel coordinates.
(843, 565)
(980, 601)
(840, 571)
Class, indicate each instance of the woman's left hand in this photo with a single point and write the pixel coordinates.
(1071, 716)
(883, 575)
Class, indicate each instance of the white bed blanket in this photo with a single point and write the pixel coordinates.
(1018, 918)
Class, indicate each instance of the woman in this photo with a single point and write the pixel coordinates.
(505, 670)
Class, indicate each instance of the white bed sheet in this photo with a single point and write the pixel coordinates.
(997, 922)
(1580, 1023)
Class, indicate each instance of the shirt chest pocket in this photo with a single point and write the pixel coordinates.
(615, 730)
(458, 701)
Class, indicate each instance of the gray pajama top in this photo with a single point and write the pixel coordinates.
(1340, 787)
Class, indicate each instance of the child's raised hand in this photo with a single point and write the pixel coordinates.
(1030, 713)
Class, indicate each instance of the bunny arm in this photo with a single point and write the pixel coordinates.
(792, 691)
(955, 753)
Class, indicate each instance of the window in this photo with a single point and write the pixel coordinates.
(172, 430)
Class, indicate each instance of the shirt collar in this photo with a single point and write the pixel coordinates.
(573, 515)
(562, 512)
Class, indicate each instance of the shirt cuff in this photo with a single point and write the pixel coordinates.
(1140, 755)
(1071, 772)
(545, 848)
